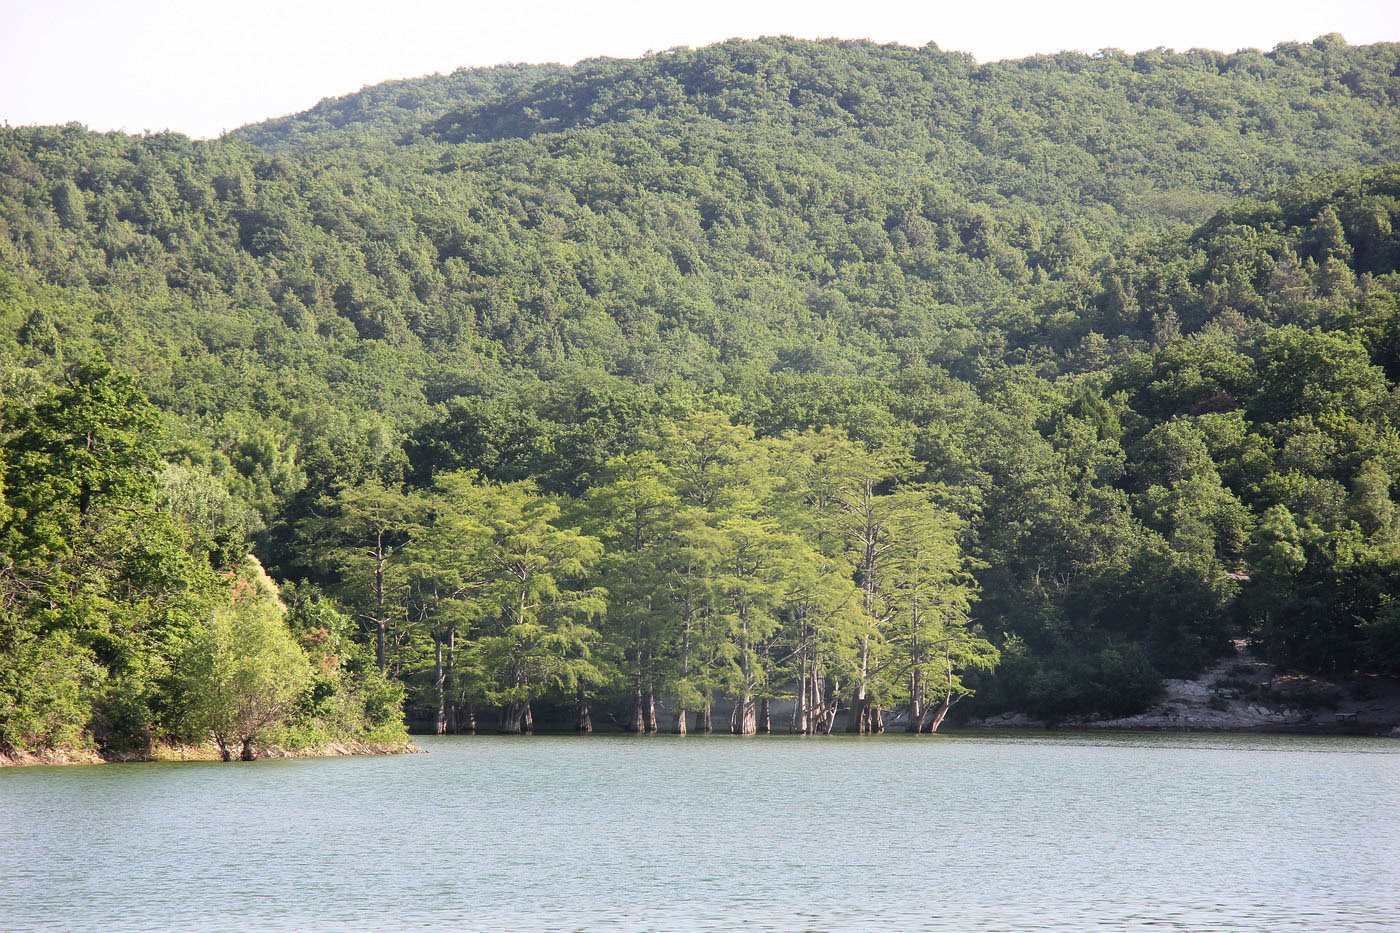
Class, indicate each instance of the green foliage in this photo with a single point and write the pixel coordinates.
(242, 672)
(749, 370)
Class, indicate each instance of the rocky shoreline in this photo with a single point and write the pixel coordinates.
(1242, 694)
(82, 756)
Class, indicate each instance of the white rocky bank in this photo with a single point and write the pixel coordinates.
(1243, 694)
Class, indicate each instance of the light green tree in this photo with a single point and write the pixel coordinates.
(530, 595)
(242, 672)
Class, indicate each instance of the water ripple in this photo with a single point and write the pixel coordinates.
(949, 833)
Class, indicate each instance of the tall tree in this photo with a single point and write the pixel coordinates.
(537, 610)
(360, 532)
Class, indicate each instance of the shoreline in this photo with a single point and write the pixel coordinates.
(977, 728)
(1243, 695)
(356, 749)
(1115, 728)
(53, 757)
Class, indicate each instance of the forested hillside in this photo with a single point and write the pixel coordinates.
(865, 377)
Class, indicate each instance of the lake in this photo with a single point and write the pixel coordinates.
(1030, 831)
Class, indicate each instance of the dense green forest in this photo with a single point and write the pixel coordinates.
(865, 379)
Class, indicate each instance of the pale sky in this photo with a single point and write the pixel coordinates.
(204, 66)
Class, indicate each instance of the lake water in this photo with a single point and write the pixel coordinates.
(957, 832)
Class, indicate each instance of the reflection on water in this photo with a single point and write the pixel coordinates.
(963, 832)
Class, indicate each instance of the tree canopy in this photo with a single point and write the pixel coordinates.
(847, 378)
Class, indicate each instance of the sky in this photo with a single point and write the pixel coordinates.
(206, 66)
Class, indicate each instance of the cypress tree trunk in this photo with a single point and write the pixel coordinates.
(915, 716)
(765, 722)
(948, 698)
(859, 722)
(681, 711)
(704, 721)
(513, 715)
(940, 714)
(649, 713)
(439, 684)
(916, 703)
(916, 679)
(527, 720)
(469, 725)
(798, 724)
(247, 754)
(855, 723)
(744, 720)
(637, 717)
(829, 710)
(585, 719)
(381, 640)
(452, 712)
(649, 703)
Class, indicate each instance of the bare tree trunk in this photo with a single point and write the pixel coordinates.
(916, 703)
(798, 724)
(949, 695)
(439, 684)
(649, 712)
(875, 723)
(858, 722)
(830, 708)
(452, 712)
(744, 720)
(527, 720)
(916, 680)
(585, 719)
(649, 704)
(704, 720)
(381, 642)
(681, 711)
(514, 713)
(765, 722)
(637, 723)
(940, 714)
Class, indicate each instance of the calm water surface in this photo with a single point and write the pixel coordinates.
(966, 833)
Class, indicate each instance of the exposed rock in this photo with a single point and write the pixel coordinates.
(1244, 694)
(1008, 721)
